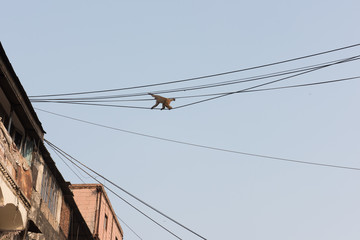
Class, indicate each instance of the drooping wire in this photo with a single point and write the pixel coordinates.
(203, 146)
(69, 158)
(122, 189)
(128, 227)
(267, 83)
(71, 169)
(100, 105)
(202, 77)
(197, 87)
(98, 102)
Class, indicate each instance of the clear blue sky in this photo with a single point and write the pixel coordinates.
(91, 45)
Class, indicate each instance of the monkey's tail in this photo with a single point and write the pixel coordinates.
(151, 94)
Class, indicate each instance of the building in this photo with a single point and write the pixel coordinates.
(97, 211)
(35, 200)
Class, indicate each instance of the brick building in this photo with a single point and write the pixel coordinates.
(35, 200)
(97, 211)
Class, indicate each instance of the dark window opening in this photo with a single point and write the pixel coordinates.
(17, 139)
(28, 150)
(49, 191)
(106, 222)
(3, 116)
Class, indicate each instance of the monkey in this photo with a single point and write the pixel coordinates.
(164, 101)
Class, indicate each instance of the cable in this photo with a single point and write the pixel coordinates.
(218, 95)
(125, 191)
(200, 87)
(201, 146)
(56, 152)
(195, 96)
(267, 83)
(102, 105)
(202, 77)
(68, 158)
(69, 166)
(196, 87)
(128, 227)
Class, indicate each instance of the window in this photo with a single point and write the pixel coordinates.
(44, 185)
(49, 191)
(17, 139)
(105, 222)
(28, 150)
(3, 116)
(52, 198)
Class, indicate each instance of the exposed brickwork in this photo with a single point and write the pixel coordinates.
(94, 205)
(86, 201)
(65, 219)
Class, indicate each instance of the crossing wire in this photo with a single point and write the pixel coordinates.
(72, 170)
(65, 155)
(202, 77)
(196, 87)
(97, 102)
(122, 189)
(267, 83)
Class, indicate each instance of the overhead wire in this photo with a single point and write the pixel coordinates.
(72, 159)
(71, 169)
(202, 146)
(198, 87)
(117, 195)
(130, 228)
(99, 102)
(267, 83)
(249, 89)
(202, 77)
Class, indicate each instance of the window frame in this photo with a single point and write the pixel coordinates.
(50, 191)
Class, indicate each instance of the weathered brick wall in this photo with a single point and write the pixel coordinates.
(86, 201)
(112, 229)
(65, 219)
(14, 163)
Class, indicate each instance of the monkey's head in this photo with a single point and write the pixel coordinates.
(172, 99)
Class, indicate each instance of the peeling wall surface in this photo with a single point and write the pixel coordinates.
(35, 200)
(16, 165)
(15, 185)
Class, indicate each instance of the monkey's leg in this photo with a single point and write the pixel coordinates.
(157, 103)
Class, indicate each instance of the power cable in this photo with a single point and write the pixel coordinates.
(128, 227)
(200, 87)
(69, 166)
(201, 77)
(68, 158)
(93, 102)
(249, 89)
(196, 87)
(101, 105)
(267, 83)
(125, 191)
(202, 146)
(56, 152)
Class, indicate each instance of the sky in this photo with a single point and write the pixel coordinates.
(75, 46)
